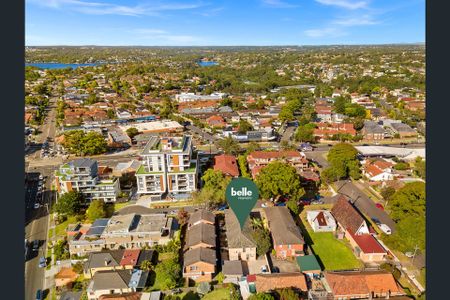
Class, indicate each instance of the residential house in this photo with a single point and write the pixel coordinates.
(287, 239)
(355, 229)
(259, 159)
(216, 121)
(120, 259)
(403, 130)
(363, 285)
(325, 131)
(82, 175)
(118, 139)
(201, 235)
(321, 220)
(372, 131)
(130, 231)
(240, 243)
(123, 114)
(65, 277)
(270, 282)
(199, 264)
(191, 97)
(168, 166)
(226, 164)
(201, 216)
(378, 170)
(116, 282)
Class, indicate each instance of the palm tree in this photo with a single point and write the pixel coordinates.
(146, 265)
(256, 223)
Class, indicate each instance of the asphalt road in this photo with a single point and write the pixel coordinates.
(37, 220)
(363, 202)
(288, 133)
(209, 137)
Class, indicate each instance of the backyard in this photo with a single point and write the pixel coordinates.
(334, 254)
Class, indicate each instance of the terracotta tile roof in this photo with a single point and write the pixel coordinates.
(372, 170)
(362, 283)
(367, 243)
(268, 282)
(227, 164)
(130, 257)
(346, 215)
(66, 273)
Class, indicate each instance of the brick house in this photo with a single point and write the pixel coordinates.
(199, 264)
(349, 220)
(259, 159)
(227, 164)
(287, 239)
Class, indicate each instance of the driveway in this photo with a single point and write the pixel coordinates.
(363, 202)
(318, 156)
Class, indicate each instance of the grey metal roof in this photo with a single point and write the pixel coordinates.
(401, 127)
(372, 127)
(232, 267)
(201, 214)
(236, 237)
(201, 233)
(111, 280)
(200, 254)
(282, 226)
(109, 258)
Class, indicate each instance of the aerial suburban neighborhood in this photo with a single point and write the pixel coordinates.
(129, 152)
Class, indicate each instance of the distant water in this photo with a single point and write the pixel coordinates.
(207, 63)
(59, 65)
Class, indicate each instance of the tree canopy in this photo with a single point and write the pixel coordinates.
(278, 179)
(69, 204)
(343, 163)
(96, 210)
(305, 133)
(213, 191)
(229, 145)
(80, 143)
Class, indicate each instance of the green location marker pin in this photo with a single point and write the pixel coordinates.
(242, 194)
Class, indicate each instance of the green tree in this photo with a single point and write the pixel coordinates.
(293, 206)
(220, 278)
(168, 273)
(244, 126)
(80, 143)
(182, 216)
(261, 296)
(288, 294)
(213, 191)
(132, 132)
(277, 179)
(69, 204)
(419, 167)
(96, 210)
(203, 288)
(61, 250)
(147, 265)
(343, 163)
(387, 193)
(305, 133)
(229, 145)
(42, 89)
(251, 147)
(262, 240)
(242, 161)
(111, 113)
(339, 104)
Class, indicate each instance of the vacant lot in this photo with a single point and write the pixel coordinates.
(332, 253)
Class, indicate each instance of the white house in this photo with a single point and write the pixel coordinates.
(378, 170)
(321, 220)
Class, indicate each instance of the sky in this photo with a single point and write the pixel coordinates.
(223, 22)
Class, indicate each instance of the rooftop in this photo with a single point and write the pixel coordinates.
(236, 237)
(282, 226)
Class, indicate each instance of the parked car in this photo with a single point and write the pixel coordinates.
(379, 205)
(317, 202)
(37, 205)
(36, 245)
(222, 207)
(280, 204)
(376, 221)
(39, 295)
(264, 269)
(386, 229)
(305, 202)
(42, 262)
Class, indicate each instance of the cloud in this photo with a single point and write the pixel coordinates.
(278, 4)
(105, 8)
(211, 12)
(324, 32)
(159, 36)
(356, 21)
(347, 4)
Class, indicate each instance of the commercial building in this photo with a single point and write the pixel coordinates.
(168, 166)
(81, 175)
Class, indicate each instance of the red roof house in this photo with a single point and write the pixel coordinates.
(227, 164)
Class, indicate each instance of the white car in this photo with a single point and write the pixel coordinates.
(385, 228)
(37, 205)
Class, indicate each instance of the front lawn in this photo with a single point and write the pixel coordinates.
(334, 254)
(61, 227)
(219, 294)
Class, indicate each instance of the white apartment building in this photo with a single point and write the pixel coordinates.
(82, 175)
(167, 166)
